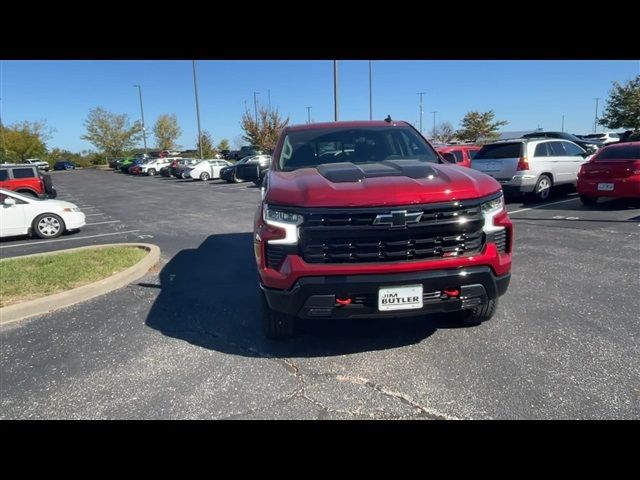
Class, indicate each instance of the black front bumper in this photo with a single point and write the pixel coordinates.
(313, 297)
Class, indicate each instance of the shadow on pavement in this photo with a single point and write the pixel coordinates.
(209, 297)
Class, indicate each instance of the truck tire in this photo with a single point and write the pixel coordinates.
(476, 315)
(275, 325)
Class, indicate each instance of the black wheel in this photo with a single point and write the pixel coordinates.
(275, 325)
(48, 225)
(204, 176)
(476, 315)
(588, 200)
(28, 192)
(151, 172)
(236, 179)
(542, 191)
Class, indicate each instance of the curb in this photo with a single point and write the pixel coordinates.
(67, 298)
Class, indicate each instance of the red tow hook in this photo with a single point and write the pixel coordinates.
(451, 292)
(343, 301)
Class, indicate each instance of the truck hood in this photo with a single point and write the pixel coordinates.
(380, 184)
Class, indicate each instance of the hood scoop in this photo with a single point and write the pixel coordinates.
(350, 172)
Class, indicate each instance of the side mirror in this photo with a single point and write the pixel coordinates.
(9, 201)
(449, 157)
(248, 171)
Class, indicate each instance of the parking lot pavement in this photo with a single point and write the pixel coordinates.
(184, 342)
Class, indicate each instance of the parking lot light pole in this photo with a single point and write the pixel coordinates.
(255, 104)
(370, 95)
(595, 122)
(434, 122)
(421, 110)
(195, 89)
(308, 114)
(144, 130)
(335, 90)
(562, 123)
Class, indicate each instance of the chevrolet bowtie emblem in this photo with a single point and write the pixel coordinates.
(397, 218)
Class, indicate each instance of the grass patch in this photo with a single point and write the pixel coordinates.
(24, 279)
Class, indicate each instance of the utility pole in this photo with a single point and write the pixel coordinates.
(421, 111)
(308, 114)
(195, 89)
(4, 144)
(595, 122)
(269, 97)
(434, 122)
(144, 130)
(335, 90)
(563, 123)
(370, 95)
(255, 104)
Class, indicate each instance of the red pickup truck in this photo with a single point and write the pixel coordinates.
(462, 154)
(364, 219)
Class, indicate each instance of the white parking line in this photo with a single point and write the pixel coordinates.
(94, 214)
(67, 239)
(102, 223)
(545, 205)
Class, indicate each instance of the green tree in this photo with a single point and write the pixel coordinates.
(264, 132)
(110, 132)
(479, 126)
(166, 131)
(208, 150)
(24, 140)
(224, 145)
(622, 109)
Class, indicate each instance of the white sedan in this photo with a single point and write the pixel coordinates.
(24, 214)
(208, 169)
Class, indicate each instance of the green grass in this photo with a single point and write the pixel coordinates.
(24, 279)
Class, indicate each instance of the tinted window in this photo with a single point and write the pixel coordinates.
(541, 150)
(3, 175)
(500, 150)
(556, 149)
(23, 173)
(572, 149)
(628, 152)
(458, 155)
(359, 145)
(472, 153)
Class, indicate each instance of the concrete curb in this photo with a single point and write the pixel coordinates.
(49, 303)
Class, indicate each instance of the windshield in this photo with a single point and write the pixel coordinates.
(360, 145)
(627, 152)
(500, 150)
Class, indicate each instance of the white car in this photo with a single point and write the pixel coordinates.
(23, 214)
(605, 137)
(38, 163)
(207, 169)
(152, 167)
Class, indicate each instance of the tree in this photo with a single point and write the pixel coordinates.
(208, 150)
(166, 131)
(110, 132)
(479, 126)
(24, 140)
(264, 132)
(622, 109)
(444, 133)
(223, 145)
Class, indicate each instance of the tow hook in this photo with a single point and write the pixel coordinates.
(343, 301)
(451, 292)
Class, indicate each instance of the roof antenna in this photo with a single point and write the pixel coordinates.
(388, 119)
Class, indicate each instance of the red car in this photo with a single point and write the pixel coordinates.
(363, 219)
(135, 170)
(612, 172)
(462, 153)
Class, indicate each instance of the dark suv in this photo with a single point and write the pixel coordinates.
(26, 179)
(589, 145)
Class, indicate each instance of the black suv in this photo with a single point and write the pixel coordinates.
(589, 145)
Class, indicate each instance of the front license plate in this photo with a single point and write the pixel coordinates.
(408, 297)
(606, 187)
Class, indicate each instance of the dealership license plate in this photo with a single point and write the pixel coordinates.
(488, 166)
(407, 297)
(606, 187)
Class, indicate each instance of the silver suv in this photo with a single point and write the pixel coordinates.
(531, 165)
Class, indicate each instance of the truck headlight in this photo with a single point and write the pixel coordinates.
(286, 221)
(489, 210)
(273, 215)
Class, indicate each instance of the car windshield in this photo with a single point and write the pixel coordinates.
(359, 145)
(500, 150)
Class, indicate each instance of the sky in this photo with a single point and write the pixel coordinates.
(528, 94)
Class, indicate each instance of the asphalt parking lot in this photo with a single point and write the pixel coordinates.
(184, 341)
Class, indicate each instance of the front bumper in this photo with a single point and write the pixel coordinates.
(74, 220)
(313, 297)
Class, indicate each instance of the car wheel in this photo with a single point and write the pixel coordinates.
(542, 191)
(275, 325)
(476, 315)
(151, 172)
(588, 200)
(48, 225)
(28, 192)
(236, 179)
(204, 176)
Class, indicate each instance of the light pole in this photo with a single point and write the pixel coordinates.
(434, 122)
(269, 98)
(421, 111)
(195, 89)
(255, 104)
(563, 123)
(595, 122)
(308, 114)
(4, 145)
(370, 95)
(335, 90)
(144, 130)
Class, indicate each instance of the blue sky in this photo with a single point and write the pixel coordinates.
(527, 93)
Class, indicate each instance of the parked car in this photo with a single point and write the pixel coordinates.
(531, 165)
(207, 169)
(605, 137)
(385, 230)
(135, 170)
(27, 180)
(113, 162)
(24, 215)
(246, 151)
(230, 173)
(130, 162)
(180, 165)
(613, 172)
(462, 154)
(64, 165)
(42, 165)
(590, 146)
(154, 166)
